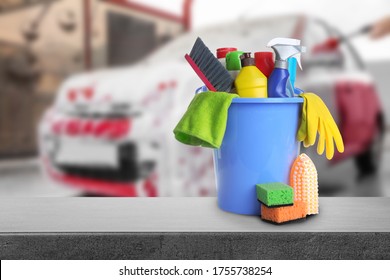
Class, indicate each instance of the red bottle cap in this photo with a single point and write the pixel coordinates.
(222, 52)
(265, 62)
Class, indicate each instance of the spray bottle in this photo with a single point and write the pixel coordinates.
(292, 70)
(279, 82)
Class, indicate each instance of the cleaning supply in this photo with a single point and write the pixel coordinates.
(259, 146)
(208, 68)
(221, 54)
(250, 82)
(292, 70)
(285, 213)
(233, 63)
(292, 64)
(304, 180)
(204, 122)
(265, 62)
(275, 194)
(284, 48)
(317, 118)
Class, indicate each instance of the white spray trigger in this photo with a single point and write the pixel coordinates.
(284, 41)
(285, 48)
(298, 56)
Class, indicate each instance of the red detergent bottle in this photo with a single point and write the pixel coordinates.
(265, 62)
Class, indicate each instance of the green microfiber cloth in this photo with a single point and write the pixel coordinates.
(275, 194)
(204, 122)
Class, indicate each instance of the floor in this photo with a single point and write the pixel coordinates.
(21, 178)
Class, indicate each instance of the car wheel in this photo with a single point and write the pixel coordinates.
(369, 161)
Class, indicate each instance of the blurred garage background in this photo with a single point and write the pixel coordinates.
(44, 42)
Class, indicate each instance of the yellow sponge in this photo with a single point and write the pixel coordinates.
(304, 180)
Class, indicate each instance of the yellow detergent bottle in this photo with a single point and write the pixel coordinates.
(250, 82)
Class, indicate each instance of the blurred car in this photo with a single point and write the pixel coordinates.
(110, 132)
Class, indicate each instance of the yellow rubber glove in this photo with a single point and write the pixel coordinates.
(302, 131)
(313, 118)
(317, 118)
(321, 140)
(309, 123)
(331, 131)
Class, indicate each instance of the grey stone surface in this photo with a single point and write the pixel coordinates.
(40, 215)
(188, 228)
(293, 245)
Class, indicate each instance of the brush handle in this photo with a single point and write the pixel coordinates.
(199, 73)
(363, 30)
(366, 29)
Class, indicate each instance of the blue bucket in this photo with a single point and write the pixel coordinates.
(259, 147)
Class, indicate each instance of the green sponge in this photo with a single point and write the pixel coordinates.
(275, 194)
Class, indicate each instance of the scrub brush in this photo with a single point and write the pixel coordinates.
(303, 179)
(208, 68)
